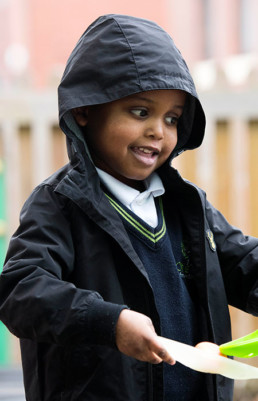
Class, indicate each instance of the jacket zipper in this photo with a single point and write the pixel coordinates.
(150, 372)
(150, 382)
(203, 260)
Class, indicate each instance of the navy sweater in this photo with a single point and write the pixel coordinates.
(166, 258)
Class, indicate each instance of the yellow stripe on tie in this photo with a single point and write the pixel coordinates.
(153, 237)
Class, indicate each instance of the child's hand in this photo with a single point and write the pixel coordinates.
(209, 347)
(136, 337)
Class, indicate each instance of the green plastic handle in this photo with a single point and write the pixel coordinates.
(244, 347)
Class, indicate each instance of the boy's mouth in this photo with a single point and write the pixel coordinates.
(146, 155)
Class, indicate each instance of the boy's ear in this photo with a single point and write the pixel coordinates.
(81, 115)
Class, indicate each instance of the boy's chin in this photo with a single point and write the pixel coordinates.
(136, 183)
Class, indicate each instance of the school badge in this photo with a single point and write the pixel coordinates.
(210, 238)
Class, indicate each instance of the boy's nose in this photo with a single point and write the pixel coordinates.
(155, 130)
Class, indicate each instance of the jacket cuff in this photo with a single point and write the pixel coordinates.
(102, 320)
(252, 302)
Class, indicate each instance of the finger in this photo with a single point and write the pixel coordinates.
(155, 359)
(166, 357)
(163, 354)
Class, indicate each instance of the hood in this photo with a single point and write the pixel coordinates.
(120, 55)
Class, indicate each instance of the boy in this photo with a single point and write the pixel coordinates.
(116, 247)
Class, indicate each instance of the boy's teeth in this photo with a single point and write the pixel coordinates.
(145, 150)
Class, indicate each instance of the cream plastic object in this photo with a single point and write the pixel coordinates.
(208, 361)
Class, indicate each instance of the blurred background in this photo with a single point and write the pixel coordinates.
(218, 39)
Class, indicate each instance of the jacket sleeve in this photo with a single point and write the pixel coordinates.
(35, 302)
(238, 256)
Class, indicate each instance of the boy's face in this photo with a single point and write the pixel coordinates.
(131, 137)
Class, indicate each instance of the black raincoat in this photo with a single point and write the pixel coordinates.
(70, 267)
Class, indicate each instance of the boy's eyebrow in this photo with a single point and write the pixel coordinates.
(178, 106)
(146, 99)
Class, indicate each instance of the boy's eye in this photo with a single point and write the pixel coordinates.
(139, 112)
(171, 120)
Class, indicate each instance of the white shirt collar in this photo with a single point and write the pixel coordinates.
(126, 194)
